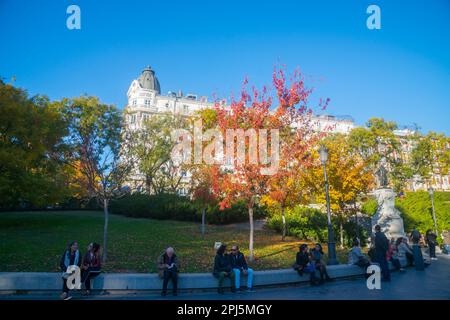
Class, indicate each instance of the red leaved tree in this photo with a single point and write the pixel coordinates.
(252, 115)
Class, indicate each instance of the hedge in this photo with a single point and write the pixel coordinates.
(174, 207)
(415, 208)
(311, 224)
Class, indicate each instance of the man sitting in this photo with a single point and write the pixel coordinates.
(239, 266)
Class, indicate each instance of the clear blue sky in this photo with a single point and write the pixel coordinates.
(401, 72)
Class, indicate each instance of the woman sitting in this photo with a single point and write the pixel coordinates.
(304, 264)
(317, 255)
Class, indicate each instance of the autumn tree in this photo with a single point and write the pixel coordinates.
(348, 175)
(248, 177)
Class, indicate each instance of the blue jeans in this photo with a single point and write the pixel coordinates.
(237, 277)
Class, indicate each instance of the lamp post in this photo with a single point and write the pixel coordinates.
(323, 152)
(431, 192)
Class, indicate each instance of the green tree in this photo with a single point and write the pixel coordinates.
(95, 137)
(31, 150)
(377, 143)
(151, 147)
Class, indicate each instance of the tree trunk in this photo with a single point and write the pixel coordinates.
(250, 243)
(148, 184)
(105, 230)
(203, 222)
(341, 226)
(283, 218)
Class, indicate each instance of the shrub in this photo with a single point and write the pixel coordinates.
(311, 224)
(174, 207)
(369, 207)
(416, 211)
(301, 222)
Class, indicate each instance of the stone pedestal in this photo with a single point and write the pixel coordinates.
(387, 216)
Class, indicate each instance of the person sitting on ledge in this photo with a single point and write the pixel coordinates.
(168, 269)
(405, 254)
(356, 256)
(70, 257)
(239, 266)
(304, 264)
(92, 265)
(222, 268)
(317, 255)
(392, 256)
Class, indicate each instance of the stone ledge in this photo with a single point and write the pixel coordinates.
(38, 281)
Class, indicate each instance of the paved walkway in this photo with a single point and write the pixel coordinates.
(432, 283)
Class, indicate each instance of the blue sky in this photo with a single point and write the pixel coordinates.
(401, 72)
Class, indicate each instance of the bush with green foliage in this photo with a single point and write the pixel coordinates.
(415, 208)
(311, 224)
(174, 207)
(369, 207)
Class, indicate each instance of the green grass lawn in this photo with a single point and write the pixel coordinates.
(35, 241)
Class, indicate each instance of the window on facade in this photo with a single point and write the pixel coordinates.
(133, 118)
(134, 102)
(185, 108)
(147, 102)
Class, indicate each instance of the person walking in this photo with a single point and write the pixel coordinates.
(239, 265)
(168, 270)
(381, 250)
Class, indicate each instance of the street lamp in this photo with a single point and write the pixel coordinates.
(323, 152)
(431, 192)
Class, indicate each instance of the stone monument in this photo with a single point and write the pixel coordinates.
(387, 216)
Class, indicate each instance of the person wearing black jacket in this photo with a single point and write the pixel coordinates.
(239, 266)
(381, 249)
(431, 239)
(304, 264)
(223, 269)
(70, 257)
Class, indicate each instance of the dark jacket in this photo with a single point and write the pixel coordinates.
(222, 264)
(381, 243)
(238, 261)
(415, 236)
(302, 259)
(164, 259)
(431, 238)
(62, 263)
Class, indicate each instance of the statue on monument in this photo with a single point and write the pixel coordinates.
(381, 175)
(387, 216)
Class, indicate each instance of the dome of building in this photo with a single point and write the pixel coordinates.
(149, 81)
